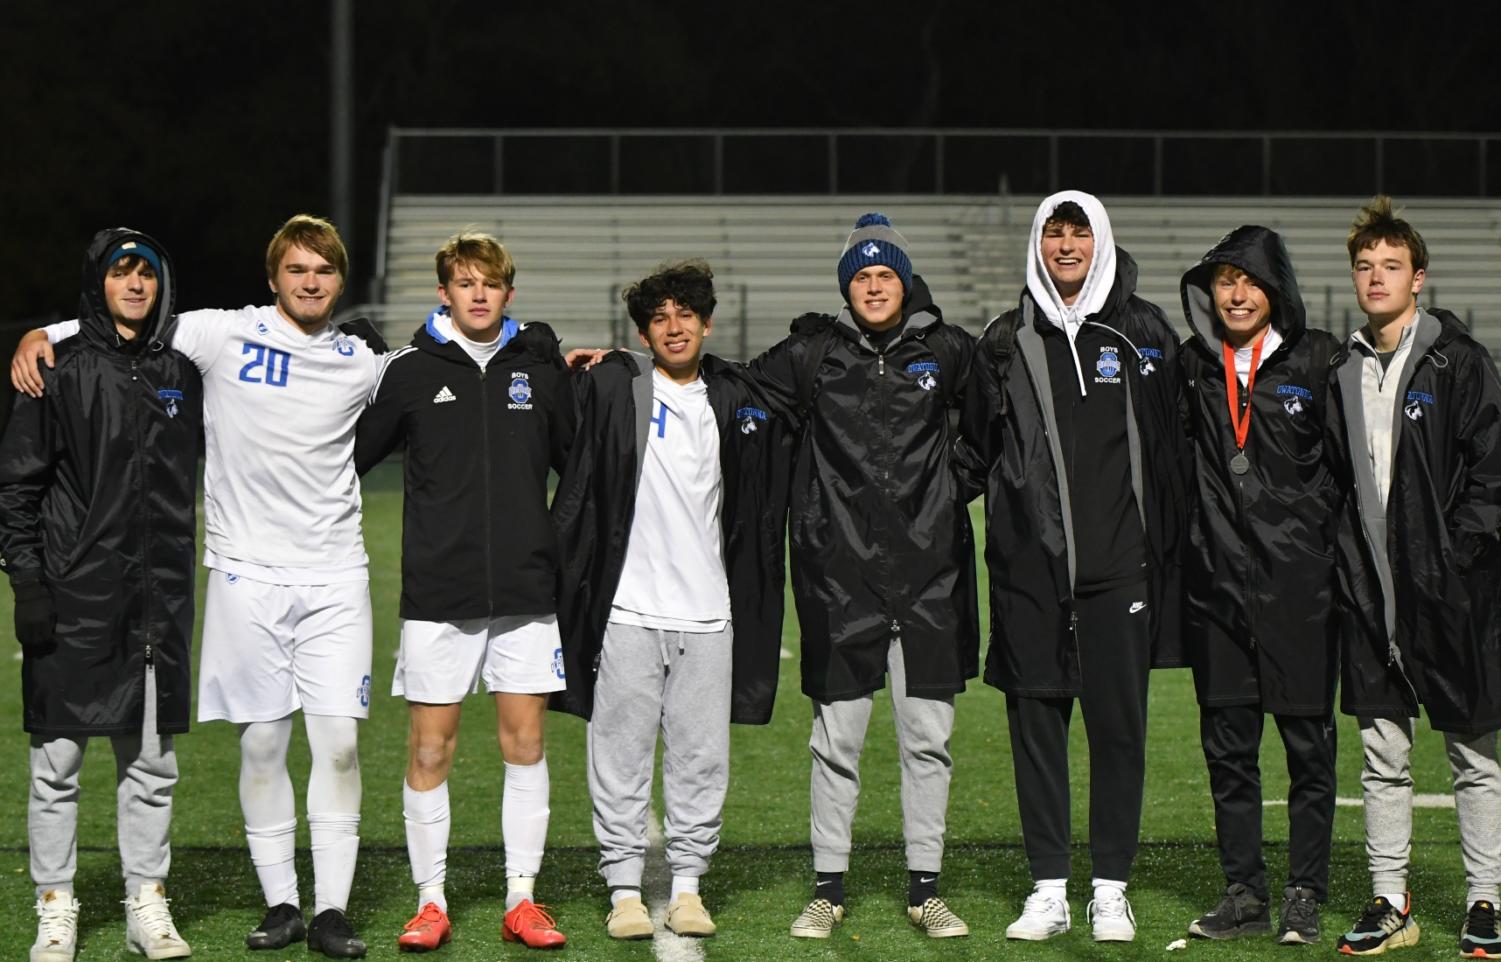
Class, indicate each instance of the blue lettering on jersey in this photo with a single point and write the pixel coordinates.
(363, 692)
(660, 420)
(169, 398)
(266, 366)
(344, 345)
(557, 663)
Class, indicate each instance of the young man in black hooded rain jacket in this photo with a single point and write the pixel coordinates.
(1260, 630)
(97, 485)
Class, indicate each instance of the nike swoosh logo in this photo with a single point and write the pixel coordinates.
(1136, 606)
(821, 884)
(925, 881)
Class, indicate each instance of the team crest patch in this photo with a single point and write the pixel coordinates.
(557, 663)
(926, 373)
(520, 391)
(748, 418)
(1294, 398)
(363, 692)
(1150, 358)
(344, 345)
(1416, 402)
(261, 328)
(169, 399)
(231, 579)
(1108, 366)
(871, 249)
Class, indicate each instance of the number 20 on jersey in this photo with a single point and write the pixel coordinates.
(267, 365)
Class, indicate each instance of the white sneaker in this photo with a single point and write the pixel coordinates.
(56, 928)
(1042, 918)
(1112, 916)
(148, 926)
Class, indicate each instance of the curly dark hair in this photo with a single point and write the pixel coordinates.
(687, 283)
(1067, 212)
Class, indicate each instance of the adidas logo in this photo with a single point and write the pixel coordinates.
(444, 395)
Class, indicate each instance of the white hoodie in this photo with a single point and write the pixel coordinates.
(1098, 283)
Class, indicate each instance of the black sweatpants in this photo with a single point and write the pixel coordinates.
(1115, 657)
(1231, 737)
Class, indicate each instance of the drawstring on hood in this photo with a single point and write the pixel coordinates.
(1098, 283)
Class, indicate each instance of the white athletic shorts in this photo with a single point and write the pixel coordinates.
(442, 661)
(269, 650)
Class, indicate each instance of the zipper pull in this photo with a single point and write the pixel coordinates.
(881, 363)
(896, 629)
(150, 657)
(1073, 622)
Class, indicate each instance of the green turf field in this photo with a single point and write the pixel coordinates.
(761, 876)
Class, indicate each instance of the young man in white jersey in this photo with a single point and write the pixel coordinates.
(483, 407)
(671, 596)
(287, 618)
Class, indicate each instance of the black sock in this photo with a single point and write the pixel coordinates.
(921, 886)
(829, 885)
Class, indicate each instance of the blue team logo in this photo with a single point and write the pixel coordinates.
(231, 579)
(344, 345)
(1294, 398)
(748, 418)
(169, 399)
(1109, 364)
(1416, 402)
(363, 692)
(926, 373)
(871, 249)
(521, 390)
(1150, 358)
(261, 328)
(557, 663)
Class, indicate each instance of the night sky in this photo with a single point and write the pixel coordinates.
(206, 124)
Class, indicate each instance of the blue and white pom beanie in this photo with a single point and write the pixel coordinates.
(874, 241)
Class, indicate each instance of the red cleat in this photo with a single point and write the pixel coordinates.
(532, 927)
(426, 932)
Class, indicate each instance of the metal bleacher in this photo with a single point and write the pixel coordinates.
(774, 257)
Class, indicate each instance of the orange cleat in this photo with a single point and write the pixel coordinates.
(427, 931)
(528, 924)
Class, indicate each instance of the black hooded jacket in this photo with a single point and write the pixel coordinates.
(1260, 627)
(98, 480)
(1424, 577)
(881, 541)
(475, 537)
(595, 507)
(1011, 449)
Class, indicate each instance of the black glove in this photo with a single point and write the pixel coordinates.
(361, 328)
(35, 617)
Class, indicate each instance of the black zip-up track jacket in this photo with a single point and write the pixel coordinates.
(1260, 626)
(98, 482)
(1423, 579)
(881, 540)
(596, 505)
(1010, 449)
(476, 541)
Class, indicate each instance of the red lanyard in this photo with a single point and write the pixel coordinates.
(1232, 389)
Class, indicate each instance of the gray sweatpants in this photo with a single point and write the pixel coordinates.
(677, 683)
(1386, 781)
(923, 726)
(145, 773)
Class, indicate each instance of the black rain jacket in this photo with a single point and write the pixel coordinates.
(1423, 626)
(1008, 450)
(1260, 627)
(881, 540)
(98, 484)
(596, 504)
(476, 541)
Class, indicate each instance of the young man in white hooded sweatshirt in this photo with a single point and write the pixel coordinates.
(1086, 506)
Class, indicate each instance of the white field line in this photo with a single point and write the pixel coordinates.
(1418, 801)
(656, 891)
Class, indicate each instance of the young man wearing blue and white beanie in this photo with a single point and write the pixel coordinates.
(882, 554)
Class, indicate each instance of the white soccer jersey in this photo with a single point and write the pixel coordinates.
(281, 500)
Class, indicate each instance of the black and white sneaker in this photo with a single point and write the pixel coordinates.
(331, 934)
(280, 928)
(1299, 922)
(1381, 927)
(1478, 938)
(1240, 912)
(817, 920)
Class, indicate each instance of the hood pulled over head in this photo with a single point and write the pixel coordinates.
(1259, 252)
(1097, 283)
(108, 246)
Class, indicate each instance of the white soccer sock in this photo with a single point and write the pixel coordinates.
(1105, 883)
(617, 895)
(683, 883)
(427, 820)
(519, 888)
(1053, 887)
(523, 817)
(271, 851)
(1398, 899)
(333, 804)
(336, 846)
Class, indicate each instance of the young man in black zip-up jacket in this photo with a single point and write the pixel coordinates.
(1260, 627)
(483, 407)
(1421, 557)
(1072, 426)
(97, 485)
